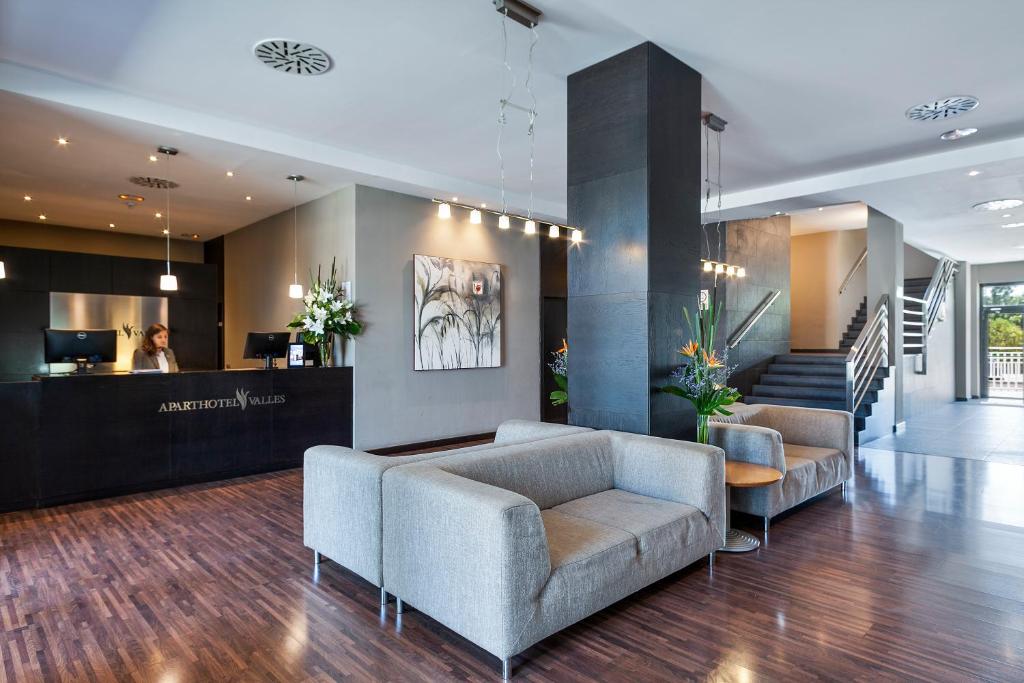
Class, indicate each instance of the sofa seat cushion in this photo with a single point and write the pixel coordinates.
(651, 521)
(573, 540)
(829, 463)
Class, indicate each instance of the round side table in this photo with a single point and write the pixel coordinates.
(743, 475)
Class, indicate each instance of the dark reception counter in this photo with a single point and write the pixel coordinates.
(71, 438)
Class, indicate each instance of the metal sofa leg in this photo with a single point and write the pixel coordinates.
(844, 490)
(383, 596)
(506, 669)
(767, 522)
(399, 605)
(317, 558)
(711, 560)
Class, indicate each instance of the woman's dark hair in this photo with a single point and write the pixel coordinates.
(147, 342)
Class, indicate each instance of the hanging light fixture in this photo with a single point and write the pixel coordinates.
(714, 123)
(295, 289)
(444, 210)
(3, 271)
(577, 235)
(553, 231)
(530, 227)
(503, 222)
(475, 217)
(168, 282)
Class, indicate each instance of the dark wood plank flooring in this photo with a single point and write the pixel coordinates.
(918, 575)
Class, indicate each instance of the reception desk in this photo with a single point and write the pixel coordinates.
(73, 438)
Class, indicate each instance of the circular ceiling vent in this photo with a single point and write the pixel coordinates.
(291, 57)
(147, 181)
(942, 109)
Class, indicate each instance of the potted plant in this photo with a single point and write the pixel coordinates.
(702, 378)
(559, 369)
(326, 312)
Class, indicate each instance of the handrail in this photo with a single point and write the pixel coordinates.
(741, 331)
(870, 349)
(856, 266)
(931, 308)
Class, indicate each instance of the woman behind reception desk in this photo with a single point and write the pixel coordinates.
(155, 354)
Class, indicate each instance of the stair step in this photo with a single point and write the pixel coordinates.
(863, 411)
(768, 379)
(811, 358)
(822, 393)
(807, 369)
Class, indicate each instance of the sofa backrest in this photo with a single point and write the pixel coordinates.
(548, 472)
(742, 414)
(512, 431)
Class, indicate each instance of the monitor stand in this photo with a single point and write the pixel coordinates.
(268, 362)
(81, 366)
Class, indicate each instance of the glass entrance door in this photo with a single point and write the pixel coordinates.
(1002, 336)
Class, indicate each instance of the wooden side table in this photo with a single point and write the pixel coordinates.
(743, 475)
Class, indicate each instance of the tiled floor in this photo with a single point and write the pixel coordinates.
(977, 430)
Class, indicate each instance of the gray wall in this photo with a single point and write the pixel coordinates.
(395, 404)
(922, 393)
(916, 263)
(885, 276)
(258, 266)
(763, 248)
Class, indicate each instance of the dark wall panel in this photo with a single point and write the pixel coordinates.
(85, 273)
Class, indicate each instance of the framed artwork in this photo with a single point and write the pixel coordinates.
(456, 314)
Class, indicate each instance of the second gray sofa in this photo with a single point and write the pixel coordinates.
(508, 546)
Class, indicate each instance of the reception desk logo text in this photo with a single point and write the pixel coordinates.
(242, 400)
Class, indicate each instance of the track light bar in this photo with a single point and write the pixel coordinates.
(445, 207)
(519, 12)
(722, 268)
(715, 123)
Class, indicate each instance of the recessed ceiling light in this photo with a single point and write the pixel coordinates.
(821, 208)
(112, 225)
(165, 231)
(230, 174)
(1013, 225)
(27, 198)
(1007, 215)
(158, 215)
(42, 216)
(62, 141)
(248, 198)
(195, 237)
(973, 173)
(998, 205)
(957, 133)
(947, 108)
(483, 206)
(152, 157)
(289, 56)
(777, 213)
(455, 199)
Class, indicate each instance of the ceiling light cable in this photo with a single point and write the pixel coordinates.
(502, 103)
(530, 132)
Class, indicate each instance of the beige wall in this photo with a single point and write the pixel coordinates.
(258, 266)
(80, 240)
(818, 263)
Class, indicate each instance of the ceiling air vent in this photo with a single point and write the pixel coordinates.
(942, 109)
(290, 57)
(147, 181)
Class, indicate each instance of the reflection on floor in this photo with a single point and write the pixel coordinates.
(977, 430)
(917, 575)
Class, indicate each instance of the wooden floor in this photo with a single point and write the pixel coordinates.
(918, 575)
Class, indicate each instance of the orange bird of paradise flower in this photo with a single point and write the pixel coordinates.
(712, 360)
(565, 347)
(690, 350)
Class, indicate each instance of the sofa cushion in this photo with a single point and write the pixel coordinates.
(572, 539)
(651, 521)
(548, 472)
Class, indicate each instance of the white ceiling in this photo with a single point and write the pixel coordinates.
(814, 92)
(852, 216)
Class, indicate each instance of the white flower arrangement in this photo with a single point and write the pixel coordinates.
(327, 312)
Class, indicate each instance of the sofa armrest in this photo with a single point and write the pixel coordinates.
(678, 471)
(341, 505)
(472, 556)
(812, 427)
(749, 443)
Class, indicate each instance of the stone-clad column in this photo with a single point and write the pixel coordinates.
(634, 165)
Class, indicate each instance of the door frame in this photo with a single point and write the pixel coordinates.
(983, 311)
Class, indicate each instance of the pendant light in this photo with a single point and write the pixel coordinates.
(168, 282)
(295, 289)
(3, 272)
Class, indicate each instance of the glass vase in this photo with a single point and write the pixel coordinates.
(326, 348)
(702, 428)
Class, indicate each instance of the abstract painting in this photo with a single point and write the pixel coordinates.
(456, 314)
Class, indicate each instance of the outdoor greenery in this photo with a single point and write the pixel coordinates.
(1005, 330)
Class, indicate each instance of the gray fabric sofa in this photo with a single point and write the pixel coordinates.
(511, 545)
(813, 448)
(341, 502)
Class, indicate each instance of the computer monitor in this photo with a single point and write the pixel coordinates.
(266, 345)
(81, 347)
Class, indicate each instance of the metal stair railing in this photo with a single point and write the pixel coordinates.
(737, 336)
(853, 271)
(930, 313)
(869, 352)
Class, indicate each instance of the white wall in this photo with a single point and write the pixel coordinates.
(922, 393)
(395, 404)
(258, 266)
(986, 274)
(818, 264)
(916, 263)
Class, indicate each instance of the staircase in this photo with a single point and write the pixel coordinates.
(913, 324)
(812, 380)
